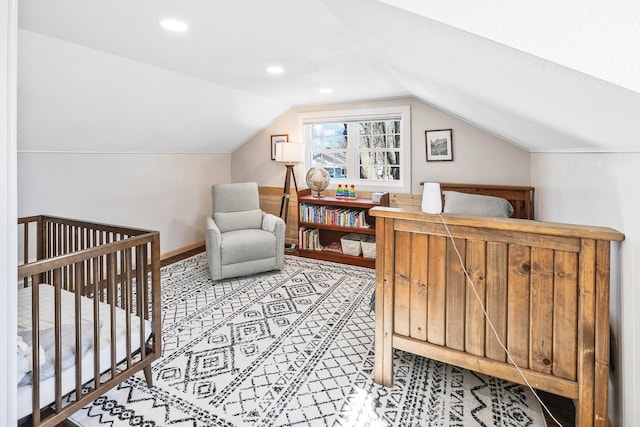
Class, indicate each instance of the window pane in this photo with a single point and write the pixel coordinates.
(380, 165)
(367, 163)
(335, 162)
(328, 136)
(394, 173)
(379, 134)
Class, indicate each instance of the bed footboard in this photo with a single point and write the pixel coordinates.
(545, 287)
(108, 274)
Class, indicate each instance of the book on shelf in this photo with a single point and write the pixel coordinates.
(329, 215)
(309, 239)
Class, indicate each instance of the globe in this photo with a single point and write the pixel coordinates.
(318, 179)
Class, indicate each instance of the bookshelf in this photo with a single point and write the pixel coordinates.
(333, 218)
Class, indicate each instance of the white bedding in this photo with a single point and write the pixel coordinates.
(47, 386)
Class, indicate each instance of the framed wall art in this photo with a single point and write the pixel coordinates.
(274, 140)
(439, 145)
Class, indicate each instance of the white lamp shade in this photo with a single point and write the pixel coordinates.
(431, 198)
(289, 152)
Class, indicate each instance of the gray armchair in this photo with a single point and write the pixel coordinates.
(241, 239)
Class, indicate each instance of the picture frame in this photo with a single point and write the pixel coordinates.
(274, 140)
(439, 145)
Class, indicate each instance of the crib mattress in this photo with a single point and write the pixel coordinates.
(47, 386)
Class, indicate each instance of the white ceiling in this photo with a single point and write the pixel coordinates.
(545, 77)
(601, 39)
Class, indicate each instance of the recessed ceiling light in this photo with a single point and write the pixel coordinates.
(174, 25)
(275, 69)
(326, 91)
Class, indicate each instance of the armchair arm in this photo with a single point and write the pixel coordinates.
(271, 222)
(277, 226)
(212, 241)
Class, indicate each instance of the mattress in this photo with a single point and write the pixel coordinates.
(47, 386)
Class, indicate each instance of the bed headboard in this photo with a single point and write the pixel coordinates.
(520, 197)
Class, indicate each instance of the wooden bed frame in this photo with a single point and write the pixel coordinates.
(112, 265)
(545, 287)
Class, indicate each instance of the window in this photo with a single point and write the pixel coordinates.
(369, 148)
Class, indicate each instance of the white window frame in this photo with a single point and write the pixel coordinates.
(402, 113)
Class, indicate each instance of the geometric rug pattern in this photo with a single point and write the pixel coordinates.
(293, 348)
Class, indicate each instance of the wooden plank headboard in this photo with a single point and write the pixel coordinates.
(520, 197)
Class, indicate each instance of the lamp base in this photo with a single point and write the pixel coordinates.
(284, 204)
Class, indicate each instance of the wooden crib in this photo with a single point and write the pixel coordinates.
(104, 280)
(545, 287)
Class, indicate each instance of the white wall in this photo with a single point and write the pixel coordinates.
(8, 257)
(170, 193)
(479, 157)
(601, 189)
(97, 135)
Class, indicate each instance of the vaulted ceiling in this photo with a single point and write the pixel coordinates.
(103, 76)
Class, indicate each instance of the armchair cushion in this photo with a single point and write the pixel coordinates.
(247, 245)
(235, 197)
(231, 221)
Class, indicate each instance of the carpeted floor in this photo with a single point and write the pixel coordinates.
(293, 348)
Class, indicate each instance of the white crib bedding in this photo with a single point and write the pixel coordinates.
(47, 386)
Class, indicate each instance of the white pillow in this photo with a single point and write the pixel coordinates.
(476, 204)
(230, 221)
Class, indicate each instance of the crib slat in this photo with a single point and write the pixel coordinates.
(74, 248)
(79, 286)
(35, 343)
(111, 285)
(120, 263)
(41, 234)
(141, 284)
(155, 300)
(127, 291)
(145, 283)
(66, 242)
(57, 302)
(59, 239)
(25, 252)
(97, 290)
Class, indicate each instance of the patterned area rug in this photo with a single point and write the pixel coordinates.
(293, 348)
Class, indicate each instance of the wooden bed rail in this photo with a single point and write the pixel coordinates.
(112, 265)
(545, 287)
